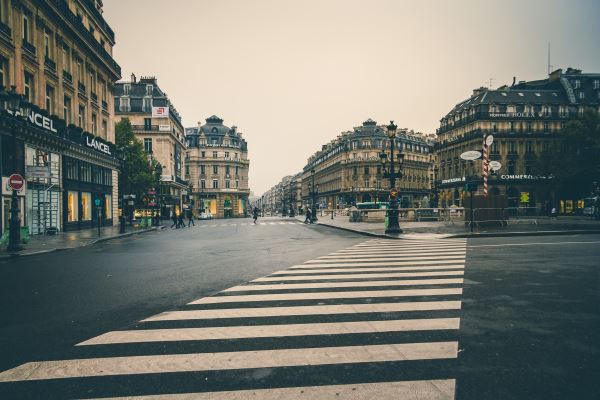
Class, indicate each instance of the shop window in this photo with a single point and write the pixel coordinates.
(86, 206)
(72, 206)
(108, 206)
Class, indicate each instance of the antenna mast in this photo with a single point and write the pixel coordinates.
(549, 66)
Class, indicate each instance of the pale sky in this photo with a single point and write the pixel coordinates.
(293, 74)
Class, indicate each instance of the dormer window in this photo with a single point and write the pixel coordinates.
(577, 83)
(149, 89)
(596, 84)
(214, 130)
(126, 89)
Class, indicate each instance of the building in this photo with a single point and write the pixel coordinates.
(157, 124)
(58, 56)
(523, 118)
(218, 164)
(348, 169)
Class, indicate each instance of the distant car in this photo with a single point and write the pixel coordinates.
(205, 215)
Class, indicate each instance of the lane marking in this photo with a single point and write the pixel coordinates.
(361, 269)
(224, 313)
(529, 244)
(392, 256)
(384, 251)
(292, 286)
(228, 360)
(430, 390)
(358, 276)
(327, 295)
(346, 262)
(270, 331)
(373, 264)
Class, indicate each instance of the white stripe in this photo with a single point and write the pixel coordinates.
(327, 295)
(306, 310)
(228, 360)
(392, 256)
(385, 259)
(369, 264)
(426, 390)
(294, 271)
(413, 248)
(407, 251)
(272, 223)
(269, 331)
(357, 276)
(292, 286)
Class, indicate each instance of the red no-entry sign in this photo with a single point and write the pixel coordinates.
(16, 182)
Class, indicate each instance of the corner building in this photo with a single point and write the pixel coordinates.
(523, 118)
(58, 56)
(348, 170)
(217, 162)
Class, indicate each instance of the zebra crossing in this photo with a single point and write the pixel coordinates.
(261, 224)
(378, 320)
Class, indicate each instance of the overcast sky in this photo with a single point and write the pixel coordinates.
(293, 74)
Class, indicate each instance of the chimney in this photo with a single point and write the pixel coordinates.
(554, 75)
(514, 81)
(133, 78)
(477, 92)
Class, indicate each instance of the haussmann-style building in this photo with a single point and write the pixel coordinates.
(217, 162)
(57, 56)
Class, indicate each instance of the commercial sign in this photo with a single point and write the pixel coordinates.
(524, 177)
(515, 115)
(37, 119)
(35, 171)
(495, 165)
(453, 180)
(164, 128)
(97, 144)
(160, 112)
(470, 155)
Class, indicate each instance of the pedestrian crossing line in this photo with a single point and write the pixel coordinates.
(358, 276)
(425, 389)
(417, 262)
(308, 271)
(373, 264)
(155, 364)
(408, 248)
(293, 286)
(396, 251)
(408, 244)
(327, 295)
(226, 313)
(394, 256)
(267, 331)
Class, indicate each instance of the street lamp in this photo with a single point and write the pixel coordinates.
(314, 196)
(393, 223)
(12, 102)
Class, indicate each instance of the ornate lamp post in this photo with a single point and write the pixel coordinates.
(314, 196)
(393, 223)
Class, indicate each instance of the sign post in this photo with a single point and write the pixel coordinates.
(97, 202)
(16, 183)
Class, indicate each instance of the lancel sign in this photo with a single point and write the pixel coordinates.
(37, 119)
(96, 144)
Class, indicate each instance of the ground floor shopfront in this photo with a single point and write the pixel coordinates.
(221, 205)
(340, 200)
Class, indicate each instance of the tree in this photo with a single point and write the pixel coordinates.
(138, 173)
(573, 160)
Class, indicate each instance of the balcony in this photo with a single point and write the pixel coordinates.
(29, 48)
(51, 65)
(67, 77)
(146, 128)
(94, 97)
(5, 29)
(81, 88)
(104, 105)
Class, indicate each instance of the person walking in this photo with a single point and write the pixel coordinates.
(190, 218)
(174, 219)
(255, 214)
(180, 221)
(308, 219)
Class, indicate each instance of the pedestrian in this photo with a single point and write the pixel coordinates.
(190, 218)
(181, 222)
(553, 213)
(174, 219)
(308, 219)
(255, 214)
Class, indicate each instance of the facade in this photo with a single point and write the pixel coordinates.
(348, 170)
(157, 124)
(217, 162)
(58, 56)
(284, 198)
(523, 118)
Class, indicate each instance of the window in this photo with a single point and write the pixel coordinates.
(3, 71)
(527, 167)
(49, 99)
(546, 127)
(215, 169)
(577, 84)
(581, 95)
(215, 184)
(147, 104)
(236, 170)
(79, 70)
(66, 61)
(529, 146)
(494, 127)
(72, 206)
(126, 89)
(203, 154)
(494, 148)
(512, 147)
(366, 170)
(512, 167)
(226, 154)
(149, 89)
(148, 145)
(202, 184)
(94, 124)
(48, 45)
(147, 124)
(215, 154)
(108, 206)
(227, 170)
(26, 32)
(93, 81)
(67, 109)
(103, 89)
(86, 206)
(202, 170)
(28, 87)
(124, 104)
(81, 117)
(227, 184)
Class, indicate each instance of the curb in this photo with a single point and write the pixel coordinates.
(364, 233)
(99, 240)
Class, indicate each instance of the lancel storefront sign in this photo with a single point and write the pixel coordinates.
(37, 119)
(96, 144)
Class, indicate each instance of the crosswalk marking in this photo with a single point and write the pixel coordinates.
(265, 331)
(348, 295)
(226, 313)
(327, 295)
(292, 286)
(229, 360)
(357, 276)
(426, 389)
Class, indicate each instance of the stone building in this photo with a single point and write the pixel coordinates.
(218, 164)
(158, 125)
(58, 56)
(523, 119)
(348, 170)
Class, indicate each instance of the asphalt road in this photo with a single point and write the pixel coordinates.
(529, 322)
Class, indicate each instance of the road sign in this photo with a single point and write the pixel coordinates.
(495, 165)
(37, 171)
(97, 201)
(16, 182)
(470, 155)
(489, 139)
(471, 187)
(394, 192)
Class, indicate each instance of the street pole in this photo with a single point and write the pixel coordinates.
(314, 196)
(472, 211)
(14, 237)
(393, 223)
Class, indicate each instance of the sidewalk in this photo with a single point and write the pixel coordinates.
(442, 229)
(39, 244)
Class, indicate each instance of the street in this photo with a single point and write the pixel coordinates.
(287, 310)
